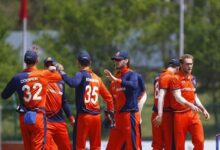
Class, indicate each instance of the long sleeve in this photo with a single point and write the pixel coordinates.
(132, 82)
(65, 104)
(106, 96)
(9, 89)
(73, 81)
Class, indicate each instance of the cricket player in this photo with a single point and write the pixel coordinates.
(162, 116)
(31, 86)
(57, 132)
(186, 106)
(88, 86)
(124, 88)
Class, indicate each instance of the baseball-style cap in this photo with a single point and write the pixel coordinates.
(83, 56)
(30, 56)
(121, 54)
(174, 62)
(49, 61)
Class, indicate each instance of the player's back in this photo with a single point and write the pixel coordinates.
(31, 86)
(88, 91)
(54, 100)
(156, 92)
(164, 83)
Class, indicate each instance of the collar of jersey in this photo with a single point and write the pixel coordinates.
(168, 71)
(29, 69)
(87, 69)
(183, 77)
(123, 71)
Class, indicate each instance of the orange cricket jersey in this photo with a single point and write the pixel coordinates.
(125, 91)
(54, 98)
(187, 87)
(96, 87)
(35, 86)
(164, 83)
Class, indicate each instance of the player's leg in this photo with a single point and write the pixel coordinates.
(197, 132)
(25, 133)
(167, 125)
(116, 138)
(180, 129)
(131, 131)
(61, 136)
(137, 129)
(157, 140)
(50, 143)
(38, 135)
(95, 132)
(81, 131)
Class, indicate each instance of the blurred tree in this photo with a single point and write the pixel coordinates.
(101, 27)
(202, 40)
(9, 63)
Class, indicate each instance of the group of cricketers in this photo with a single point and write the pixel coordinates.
(42, 103)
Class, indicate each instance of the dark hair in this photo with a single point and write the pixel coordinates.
(84, 62)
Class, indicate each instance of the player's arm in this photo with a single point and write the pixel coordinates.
(109, 120)
(107, 97)
(66, 107)
(158, 120)
(141, 100)
(9, 89)
(73, 81)
(132, 82)
(182, 100)
(199, 104)
(143, 94)
(51, 76)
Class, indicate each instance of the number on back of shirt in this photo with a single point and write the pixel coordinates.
(91, 94)
(27, 92)
(156, 89)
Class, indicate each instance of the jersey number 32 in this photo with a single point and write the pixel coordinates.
(27, 92)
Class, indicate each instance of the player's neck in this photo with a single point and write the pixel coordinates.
(84, 68)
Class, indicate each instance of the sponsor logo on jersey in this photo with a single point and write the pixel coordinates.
(29, 79)
(92, 80)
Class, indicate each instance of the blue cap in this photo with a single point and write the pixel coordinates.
(30, 56)
(174, 62)
(121, 54)
(83, 56)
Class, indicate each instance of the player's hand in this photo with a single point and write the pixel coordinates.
(206, 114)
(52, 68)
(157, 121)
(193, 107)
(109, 121)
(109, 75)
(72, 121)
(60, 68)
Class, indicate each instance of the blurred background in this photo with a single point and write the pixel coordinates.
(149, 29)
